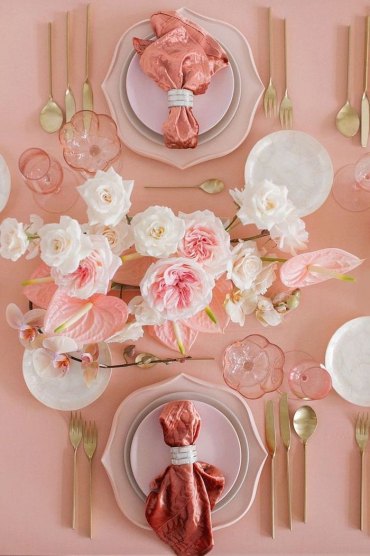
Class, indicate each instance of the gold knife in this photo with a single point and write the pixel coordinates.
(285, 437)
(87, 92)
(271, 447)
(365, 100)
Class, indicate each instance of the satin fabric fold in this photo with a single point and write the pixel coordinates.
(179, 506)
(184, 56)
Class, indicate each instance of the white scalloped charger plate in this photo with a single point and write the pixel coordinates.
(296, 160)
(347, 360)
(147, 143)
(176, 388)
(5, 183)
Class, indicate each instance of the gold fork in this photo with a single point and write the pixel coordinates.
(90, 435)
(270, 96)
(286, 106)
(362, 436)
(75, 436)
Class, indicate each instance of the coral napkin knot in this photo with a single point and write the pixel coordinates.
(179, 506)
(184, 56)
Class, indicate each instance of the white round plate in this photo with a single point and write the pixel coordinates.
(67, 393)
(348, 361)
(209, 108)
(148, 440)
(296, 160)
(5, 183)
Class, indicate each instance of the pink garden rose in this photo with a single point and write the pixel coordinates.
(205, 241)
(177, 288)
(93, 273)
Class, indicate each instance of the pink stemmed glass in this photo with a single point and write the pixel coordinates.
(305, 377)
(351, 188)
(45, 177)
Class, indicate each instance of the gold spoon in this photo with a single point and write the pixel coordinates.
(304, 423)
(347, 120)
(51, 116)
(87, 93)
(210, 186)
(69, 99)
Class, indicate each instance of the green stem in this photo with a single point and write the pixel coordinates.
(210, 314)
(169, 360)
(273, 260)
(263, 233)
(233, 223)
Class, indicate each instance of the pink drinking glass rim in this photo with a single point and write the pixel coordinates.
(28, 154)
(306, 358)
(81, 168)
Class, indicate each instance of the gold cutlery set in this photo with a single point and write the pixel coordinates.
(270, 99)
(348, 121)
(362, 436)
(304, 423)
(51, 115)
(80, 430)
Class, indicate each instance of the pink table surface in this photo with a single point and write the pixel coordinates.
(36, 458)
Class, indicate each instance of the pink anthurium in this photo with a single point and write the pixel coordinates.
(40, 288)
(87, 321)
(218, 319)
(175, 335)
(27, 324)
(51, 360)
(90, 363)
(311, 268)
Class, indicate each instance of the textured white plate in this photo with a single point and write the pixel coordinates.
(294, 159)
(348, 361)
(67, 393)
(180, 387)
(5, 183)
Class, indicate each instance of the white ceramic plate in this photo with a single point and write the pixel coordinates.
(236, 123)
(5, 183)
(348, 361)
(150, 456)
(294, 159)
(67, 393)
(183, 386)
(209, 108)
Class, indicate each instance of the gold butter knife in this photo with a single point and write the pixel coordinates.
(285, 437)
(87, 92)
(364, 99)
(271, 447)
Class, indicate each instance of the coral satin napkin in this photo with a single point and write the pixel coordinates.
(179, 506)
(184, 56)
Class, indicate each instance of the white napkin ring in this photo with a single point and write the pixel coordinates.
(183, 454)
(180, 97)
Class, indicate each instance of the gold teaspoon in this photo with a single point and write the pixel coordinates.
(51, 116)
(211, 186)
(347, 120)
(69, 99)
(304, 423)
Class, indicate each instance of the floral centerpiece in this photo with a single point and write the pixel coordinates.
(191, 275)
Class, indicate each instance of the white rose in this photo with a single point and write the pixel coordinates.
(291, 234)
(143, 313)
(120, 237)
(157, 231)
(36, 222)
(245, 265)
(13, 239)
(132, 331)
(239, 304)
(264, 205)
(107, 197)
(63, 245)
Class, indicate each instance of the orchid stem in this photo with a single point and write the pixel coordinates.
(263, 233)
(234, 222)
(328, 272)
(169, 360)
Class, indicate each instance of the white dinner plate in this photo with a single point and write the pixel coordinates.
(296, 160)
(348, 361)
(67, 393)
(5, 183)
(150, 456)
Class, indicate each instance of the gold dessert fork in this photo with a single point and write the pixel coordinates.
(270, 96)
(90, 435)
(75, 436)
(362, 436)
(286, 106)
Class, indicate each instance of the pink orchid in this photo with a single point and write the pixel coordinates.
(315, 267)
(90, 363)
(51, 360)
(27, 324)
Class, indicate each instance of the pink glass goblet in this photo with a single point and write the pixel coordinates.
(52, 186)
(351, 188)
(305, 377)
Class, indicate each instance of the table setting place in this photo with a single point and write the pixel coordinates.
(207, 355)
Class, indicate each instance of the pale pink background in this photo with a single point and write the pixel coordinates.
(36, 458)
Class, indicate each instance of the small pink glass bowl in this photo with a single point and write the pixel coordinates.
(305, 377)
(90, 142)
(253, 366)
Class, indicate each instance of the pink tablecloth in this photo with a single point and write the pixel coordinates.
(36, 458)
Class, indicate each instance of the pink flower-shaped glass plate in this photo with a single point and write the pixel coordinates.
(134, 408)
(148, 143)
(90, 142)
(253, 366)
